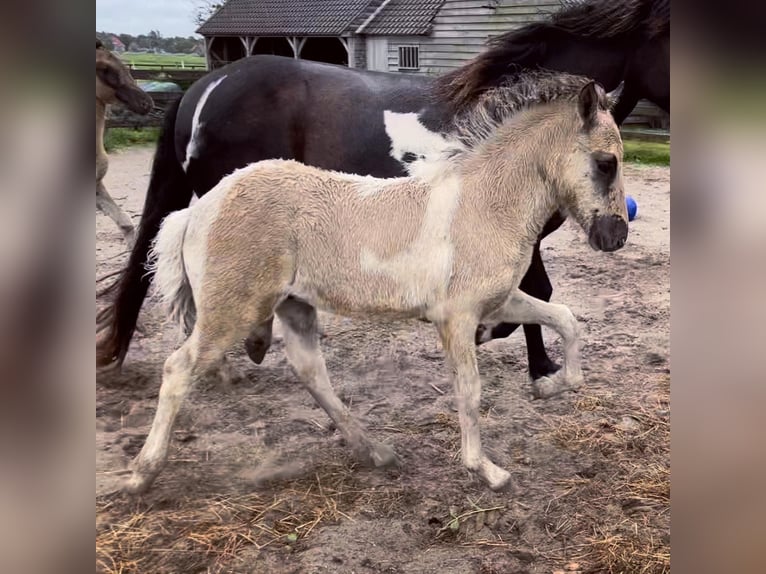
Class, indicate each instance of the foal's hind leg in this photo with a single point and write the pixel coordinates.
(108, 207)
(299, 320)
(180, 372)
(197, 357)
(457, 338)
(522, 308)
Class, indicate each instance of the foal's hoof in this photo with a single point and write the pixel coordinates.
(137, 483)
(380, 455)
(547, 387)
(496, 478)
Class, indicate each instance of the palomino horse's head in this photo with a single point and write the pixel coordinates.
(594, 170)
(115, 84)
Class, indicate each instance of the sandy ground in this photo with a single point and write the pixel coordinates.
(259, 481)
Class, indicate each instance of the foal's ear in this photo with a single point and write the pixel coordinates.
(592, 96)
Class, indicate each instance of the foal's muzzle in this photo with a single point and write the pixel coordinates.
(608, 232)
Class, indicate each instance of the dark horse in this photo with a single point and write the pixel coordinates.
(375, 123)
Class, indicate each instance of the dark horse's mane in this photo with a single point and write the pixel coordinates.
(525, 48)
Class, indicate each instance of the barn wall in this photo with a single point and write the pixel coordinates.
(461, 29)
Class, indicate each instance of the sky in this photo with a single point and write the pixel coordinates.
(170, 17)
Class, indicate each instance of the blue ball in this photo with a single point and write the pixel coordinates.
(632, 207)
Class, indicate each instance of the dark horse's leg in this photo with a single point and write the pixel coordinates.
(536, 283)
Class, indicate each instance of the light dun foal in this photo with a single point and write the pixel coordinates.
(448, 244)
(114, 84)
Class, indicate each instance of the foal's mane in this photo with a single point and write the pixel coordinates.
(525, 48)
(520, 92)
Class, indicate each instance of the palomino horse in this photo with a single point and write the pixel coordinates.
(370, 123)
(114, 84)
(393, 249)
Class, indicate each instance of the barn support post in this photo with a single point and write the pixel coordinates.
(249, 43)
(208, 54)
(296, 44)
(350, 45)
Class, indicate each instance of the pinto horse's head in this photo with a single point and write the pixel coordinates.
(115, 84)
(595, 191)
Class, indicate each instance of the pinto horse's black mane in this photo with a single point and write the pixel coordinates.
(525, 48)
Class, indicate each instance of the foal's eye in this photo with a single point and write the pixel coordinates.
(606, 164)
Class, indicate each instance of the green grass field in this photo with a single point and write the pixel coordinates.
(647, 153)
(636, 151)
(148, 60)
(120, 138)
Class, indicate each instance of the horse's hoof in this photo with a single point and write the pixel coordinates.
(108, 366)
(496, 478)
(377, 455)
(547, 387)
(383, 455)
(137, 484)
(545, 368)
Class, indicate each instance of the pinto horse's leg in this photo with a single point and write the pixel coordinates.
(109, 207)
(457, 339)
(299, 320)
(523, 308)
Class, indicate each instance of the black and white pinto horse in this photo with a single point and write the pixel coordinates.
(375, 123)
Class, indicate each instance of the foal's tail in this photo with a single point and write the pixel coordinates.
(166, 260)
(169, 190)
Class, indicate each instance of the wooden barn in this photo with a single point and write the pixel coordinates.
(411, 36)
(405, 36)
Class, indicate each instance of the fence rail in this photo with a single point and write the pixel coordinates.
(153, 66)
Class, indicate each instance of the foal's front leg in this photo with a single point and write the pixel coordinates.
(536, 283)
(523, 308)
(457, 335)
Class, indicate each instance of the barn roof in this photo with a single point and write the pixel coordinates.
(403, 18)
(283, 18)
(321, 17)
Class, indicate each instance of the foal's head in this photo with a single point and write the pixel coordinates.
(595, 195)
(115, 84)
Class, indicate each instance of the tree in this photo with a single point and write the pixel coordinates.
(203, 9)
(106, 40)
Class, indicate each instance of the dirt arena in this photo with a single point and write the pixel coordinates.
(259, 482)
